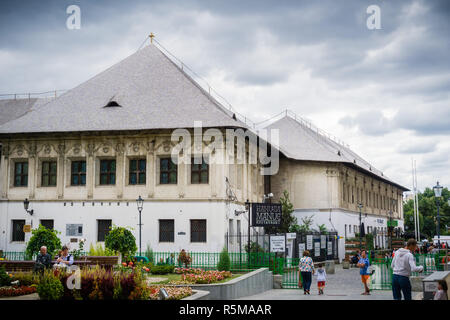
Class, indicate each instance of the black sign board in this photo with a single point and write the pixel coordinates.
(266, 214)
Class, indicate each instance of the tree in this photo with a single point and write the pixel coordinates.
(428, 212)
(306, 223)
(43, 237)
(121, 239)
(224, 261)
(288, 220)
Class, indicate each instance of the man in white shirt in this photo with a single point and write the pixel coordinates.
(403, 264)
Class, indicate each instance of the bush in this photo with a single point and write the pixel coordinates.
(26, 279)
(43, 237)
(224, 261)
(121, 239)
(162, 269)
(50, 287)
(100, 251)
(184, 258)
(149, 254)
(5, 279)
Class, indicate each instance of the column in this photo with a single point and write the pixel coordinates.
(151, 166)
(61, 172)
(120, 155)
(90, 178)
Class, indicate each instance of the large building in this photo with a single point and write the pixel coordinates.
(83, 158)
(329, 182)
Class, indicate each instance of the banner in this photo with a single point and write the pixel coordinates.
(323, 242)
(309, 242)
(317, 249)
(277, 244)
(266, 214)
(301, 248)
(330, 248)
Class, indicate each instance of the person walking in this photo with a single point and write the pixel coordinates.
(306, 269)
(321, 278)
(363, 265)
(403, 264)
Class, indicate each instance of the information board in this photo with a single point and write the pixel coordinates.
(277, 244)
(309, 242)
(323, 242)
(317, 249)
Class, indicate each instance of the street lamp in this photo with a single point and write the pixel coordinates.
(26, 204)
(360, 231)
(437, 193)
(247, 207)
(140, 205)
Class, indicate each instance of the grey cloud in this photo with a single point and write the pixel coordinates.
(372, 123)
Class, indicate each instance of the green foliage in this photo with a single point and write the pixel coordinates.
(254, 247)
(322, 229)
(306, 224)
(162, 269)
(5, 279)
(149, 254)
(100, 251)
(43, 237)
(287, 219)
(369, 241)
(224, 261)
(428, 212)
(50, 287)
(26, 278)
(121, 239)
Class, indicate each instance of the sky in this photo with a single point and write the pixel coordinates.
(385, 92)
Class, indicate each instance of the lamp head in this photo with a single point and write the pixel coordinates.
(26, 204)
(140, 203)
(437, 190)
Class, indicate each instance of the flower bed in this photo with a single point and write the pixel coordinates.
(14, 291)
(204, 277)
(175, 293)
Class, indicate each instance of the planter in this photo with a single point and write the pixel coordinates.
(345, 264)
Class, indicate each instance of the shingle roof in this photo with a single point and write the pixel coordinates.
(153, 93)
(11, 109)
(299, 142)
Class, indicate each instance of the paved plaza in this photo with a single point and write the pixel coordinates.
(345, 284)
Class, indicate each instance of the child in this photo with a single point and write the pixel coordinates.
(321, 278)
(441, 294)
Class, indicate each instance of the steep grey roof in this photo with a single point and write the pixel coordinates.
(299, 142)
(11, 109)
(153, 93)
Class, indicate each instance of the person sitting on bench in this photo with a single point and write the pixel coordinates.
(43, 260)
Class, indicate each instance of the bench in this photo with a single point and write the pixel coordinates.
(106, 262)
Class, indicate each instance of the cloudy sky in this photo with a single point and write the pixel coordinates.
(384, 92)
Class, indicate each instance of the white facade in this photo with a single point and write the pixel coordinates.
(218, 216)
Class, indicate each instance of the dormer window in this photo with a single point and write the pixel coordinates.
(112, 103)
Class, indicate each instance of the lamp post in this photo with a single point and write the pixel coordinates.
(140, 205)
(360, 231)
(26, 205)
(437, 193)
(247, 207)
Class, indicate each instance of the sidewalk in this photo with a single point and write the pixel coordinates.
(345, 284)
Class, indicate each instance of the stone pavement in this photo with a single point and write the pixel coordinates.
(345, 284)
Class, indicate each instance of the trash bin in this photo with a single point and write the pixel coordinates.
(430, 283)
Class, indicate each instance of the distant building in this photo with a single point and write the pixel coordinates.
(327, 180)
